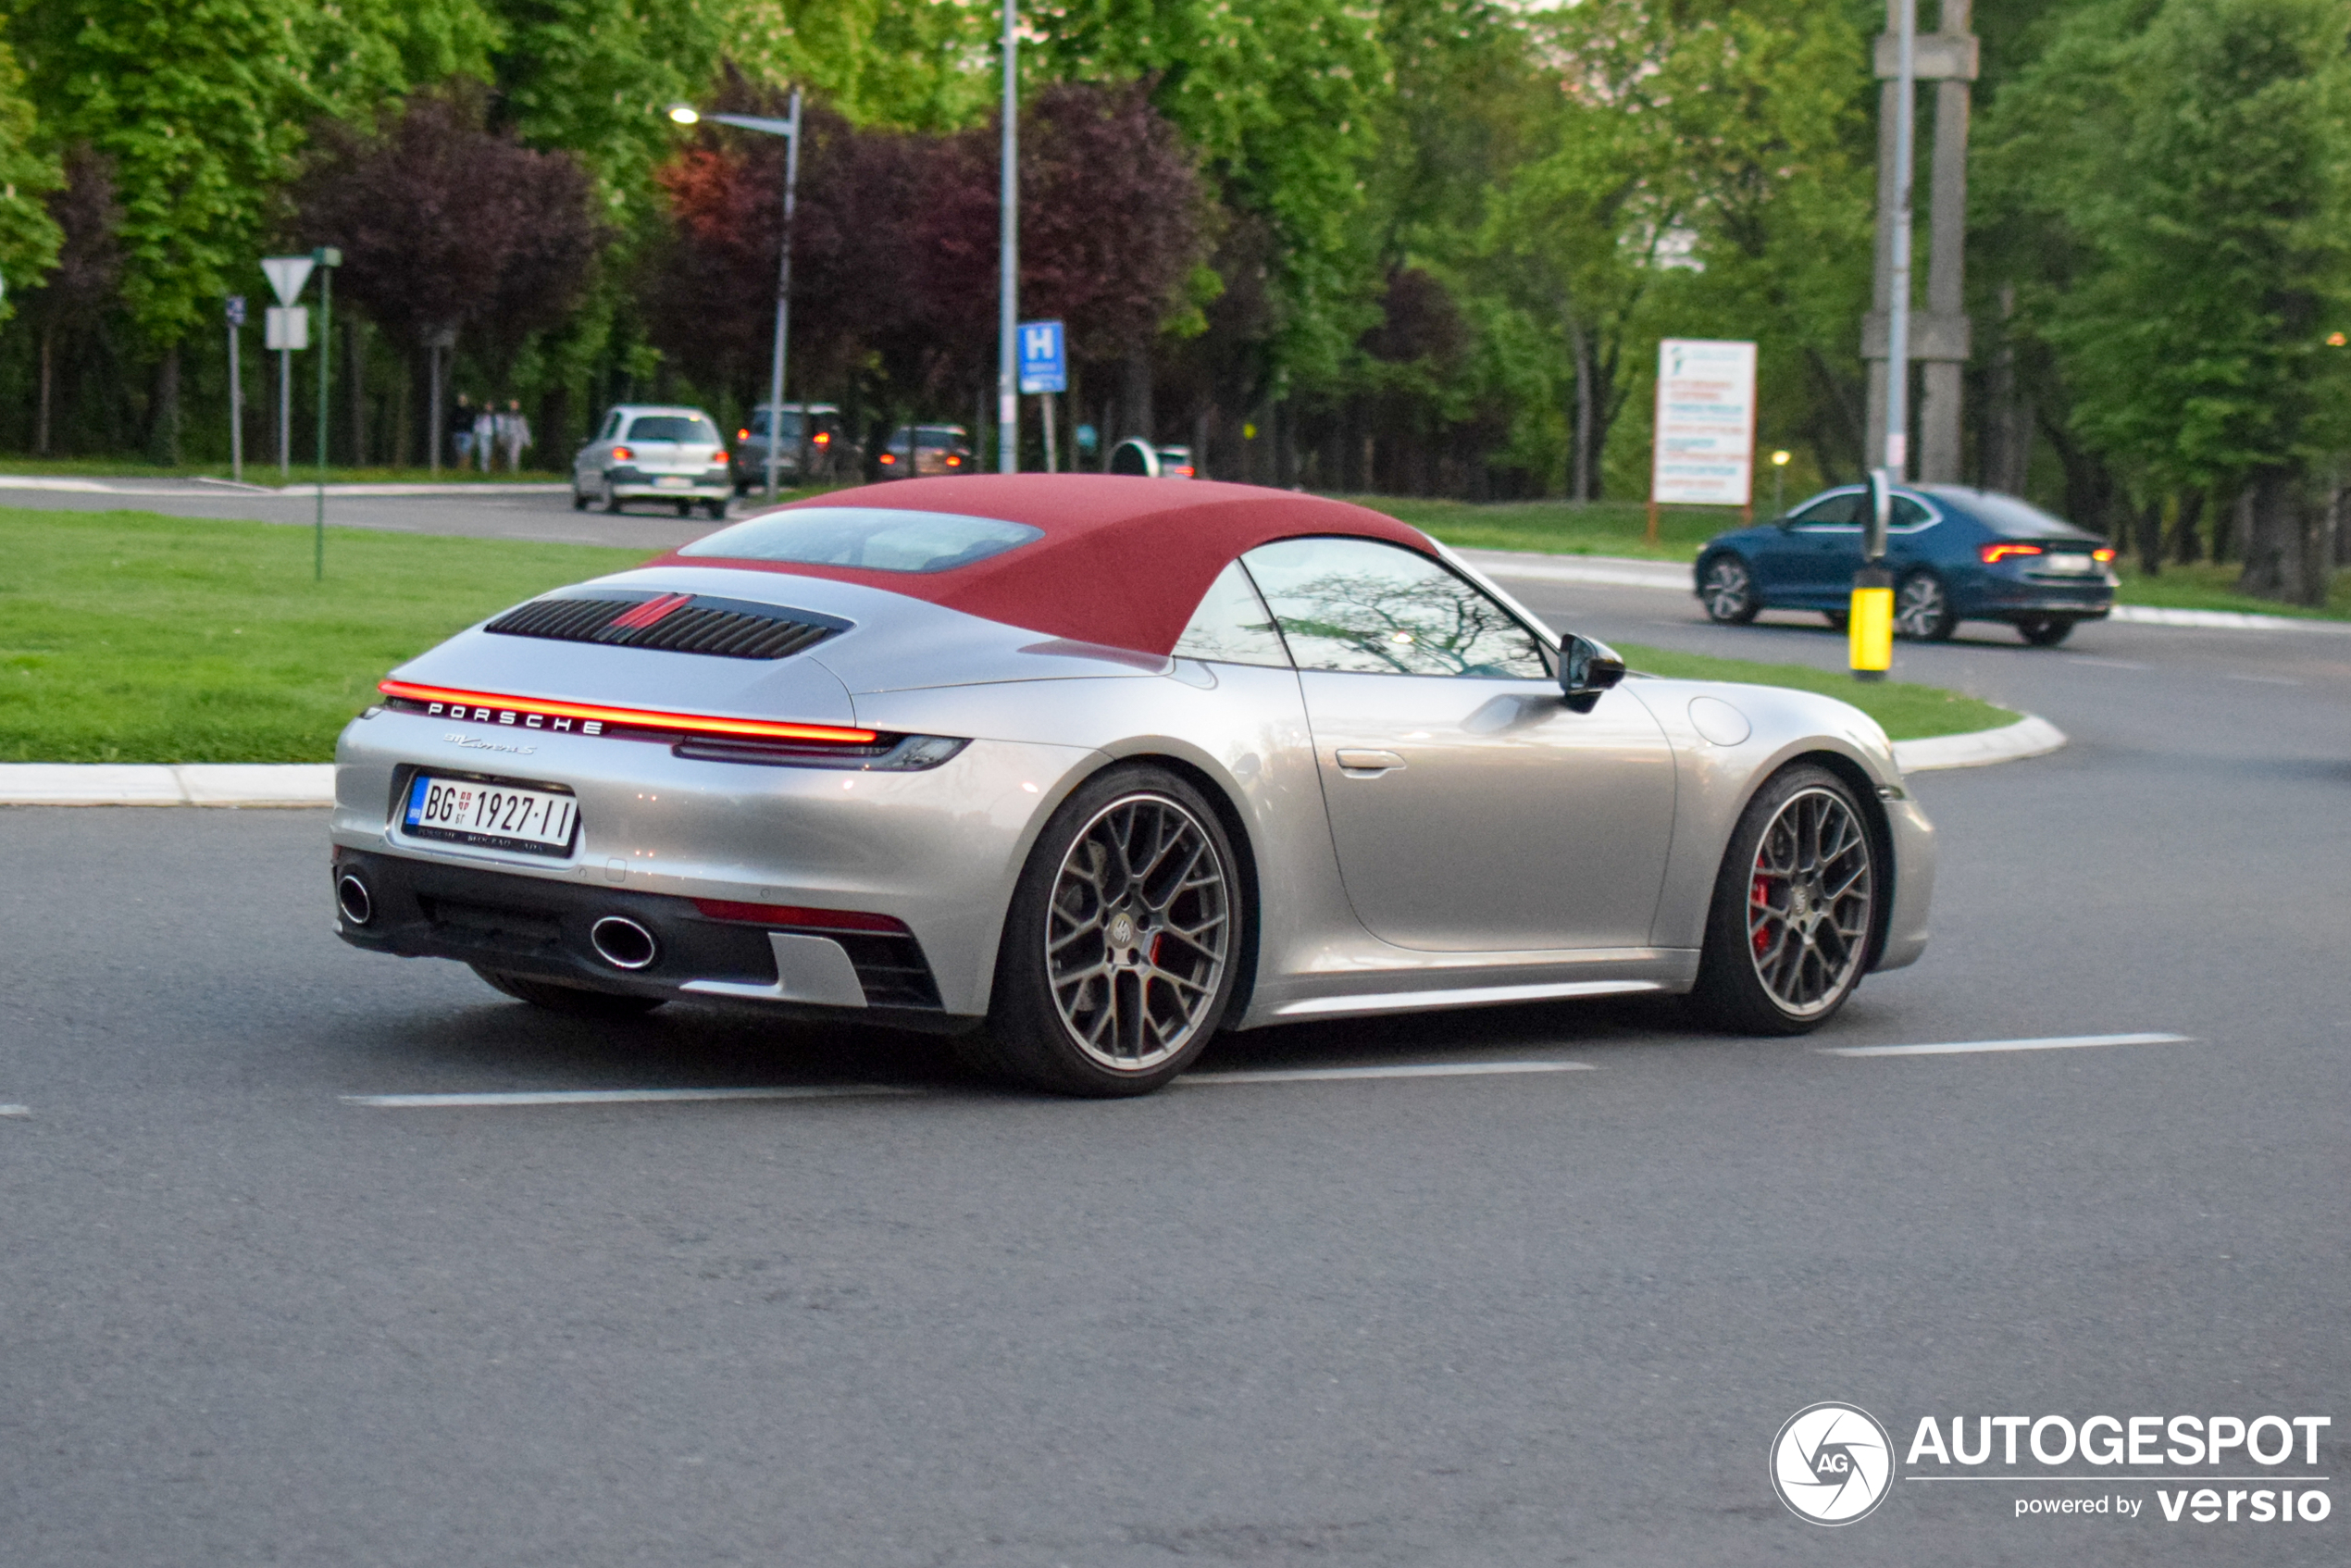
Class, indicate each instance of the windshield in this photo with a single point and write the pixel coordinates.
(2017, 519)
(878, 538)
(672, 426)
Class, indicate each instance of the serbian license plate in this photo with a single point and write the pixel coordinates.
(2070, 564)
(504, 816)
(673, 481)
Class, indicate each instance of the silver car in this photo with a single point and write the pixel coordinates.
(654, 451)
(1082, 772)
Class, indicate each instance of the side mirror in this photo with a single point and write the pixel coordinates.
(1587, 669)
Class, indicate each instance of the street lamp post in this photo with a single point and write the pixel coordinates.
(686, 114)
(1008, 262)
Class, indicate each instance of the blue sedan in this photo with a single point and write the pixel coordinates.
(1956, 554)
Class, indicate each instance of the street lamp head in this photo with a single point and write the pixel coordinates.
(1779, 459)
(685, 114)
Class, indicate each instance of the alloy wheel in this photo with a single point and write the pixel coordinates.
(1921, 610)
(1137, 932)
(1728, 591)
(1809, 896)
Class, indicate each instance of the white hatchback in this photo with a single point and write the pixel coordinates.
(654, 451)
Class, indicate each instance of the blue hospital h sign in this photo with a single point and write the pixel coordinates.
(1043, 369)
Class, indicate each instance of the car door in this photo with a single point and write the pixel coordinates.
(1809, 558)
(587, 468)
(1471, 808)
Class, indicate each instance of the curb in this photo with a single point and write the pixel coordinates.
(184, 784)
(312, 784)
(68, 484)
(2028, 737)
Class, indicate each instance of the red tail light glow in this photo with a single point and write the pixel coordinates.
(794, 914)
(2102, 557)
(823, 437)
(491, 707)
(742, 435)
(1184, 472)
(887, 458)
(1995, 553)
(953, 461)
(623, 453)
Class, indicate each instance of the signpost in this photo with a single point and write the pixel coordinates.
(236, 314)
(1704, 448)
(286, 329)
(328, 258)
(1044, 370)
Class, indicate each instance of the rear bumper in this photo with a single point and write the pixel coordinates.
(2004, 598)
(542, 929)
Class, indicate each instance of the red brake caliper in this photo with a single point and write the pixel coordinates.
(1760, 896)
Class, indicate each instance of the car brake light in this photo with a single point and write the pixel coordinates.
(953, 461)
(796, 915)
(2102, 557)
(823, 438)
(718, 457)
(486, 703)
(1183, 473)
(742, 435)
(622, 453)
(1995, 553)
(888, 459)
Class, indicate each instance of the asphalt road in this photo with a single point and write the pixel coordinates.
(1500, 1320)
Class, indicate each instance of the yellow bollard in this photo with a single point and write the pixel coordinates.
(1869, 626)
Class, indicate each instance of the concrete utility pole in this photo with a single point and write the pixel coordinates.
(1008, 261)
(1939, 336)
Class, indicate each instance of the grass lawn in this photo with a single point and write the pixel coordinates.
(1907, 712)
(129, 636)
(1618, 528)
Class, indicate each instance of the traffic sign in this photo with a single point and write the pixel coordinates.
(1043, 368)
(288, 274)
(287, 327)
(236, 310)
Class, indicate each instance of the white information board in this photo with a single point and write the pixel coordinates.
(1704, 453)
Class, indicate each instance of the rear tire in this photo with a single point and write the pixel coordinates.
(579, 502)
(1922, 609)
(613, 503)
(1124, 942)
(576, 1002)
(1787, 935)
(2046, 633)
(1727, 590)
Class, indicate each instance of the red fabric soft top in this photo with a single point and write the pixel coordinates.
(1123, 561)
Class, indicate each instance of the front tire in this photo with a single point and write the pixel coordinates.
(1922, 609)
(1124, 942)
(1788, 934)
(576, 1002)
(611, 501)
(1727, 590)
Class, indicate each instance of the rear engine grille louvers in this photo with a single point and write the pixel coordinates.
(676, 623)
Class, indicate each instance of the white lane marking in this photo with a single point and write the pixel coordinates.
(2104, 663)
(1416, 1070)
(2062, 1042)
(617, 1095)
(2263, 679)
(16, 1109)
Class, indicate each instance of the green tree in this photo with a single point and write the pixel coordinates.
(2186, 162)
(29, 171)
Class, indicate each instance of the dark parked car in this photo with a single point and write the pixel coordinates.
(1957, 555)
(921, 451)
(829, 452)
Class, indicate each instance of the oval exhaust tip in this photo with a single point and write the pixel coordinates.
(352, 898)
(622, 943)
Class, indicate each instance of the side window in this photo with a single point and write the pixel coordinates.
(1836, 511)
(1362, 605)
(612, 425)
(1232, 624)
(1909, 514)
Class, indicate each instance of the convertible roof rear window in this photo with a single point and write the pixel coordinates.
(876, 538)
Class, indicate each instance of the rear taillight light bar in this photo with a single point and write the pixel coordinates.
(1995, 553)
(592, 718)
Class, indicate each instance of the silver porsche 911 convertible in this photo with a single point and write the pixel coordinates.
(1084, 769)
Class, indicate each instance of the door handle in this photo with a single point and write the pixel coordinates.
(1355, 760)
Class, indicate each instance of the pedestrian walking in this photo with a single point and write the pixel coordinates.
(461, 429)
(486, 436)
(513, 435)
